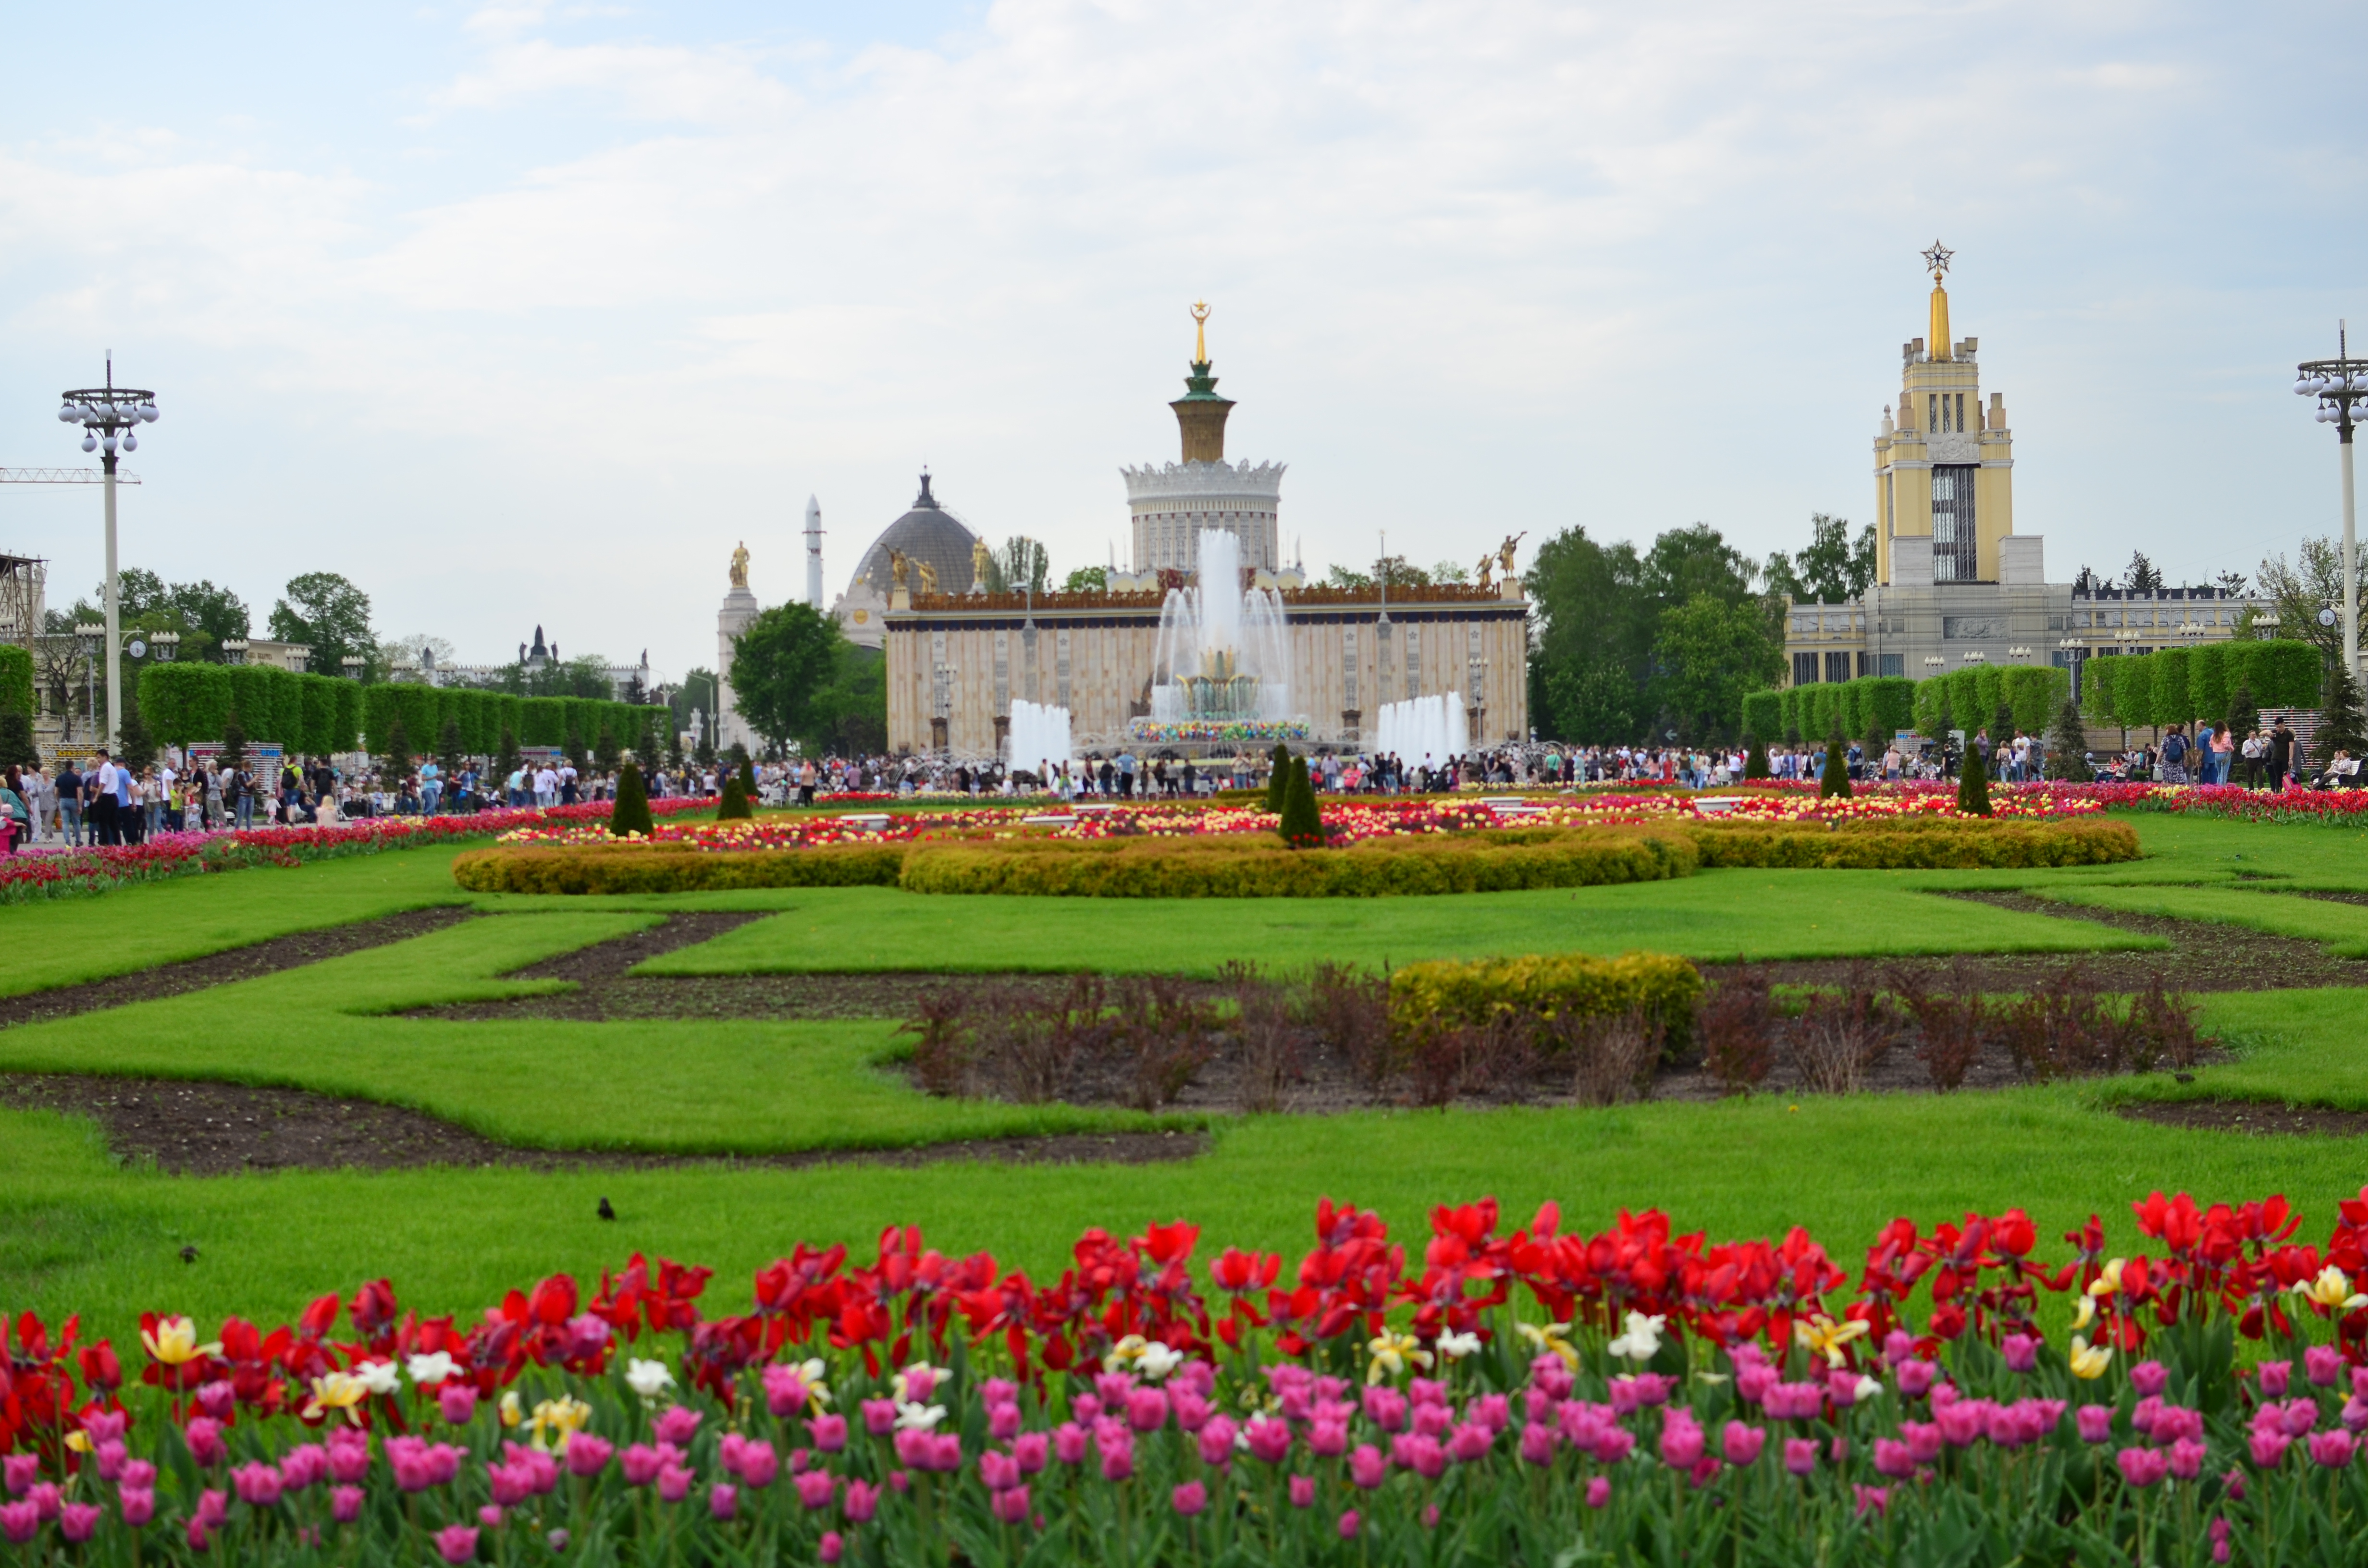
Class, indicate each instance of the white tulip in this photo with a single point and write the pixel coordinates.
(648, 1378)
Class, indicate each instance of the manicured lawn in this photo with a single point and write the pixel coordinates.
(2342, 927)
(680, 1088)
(77, 1232)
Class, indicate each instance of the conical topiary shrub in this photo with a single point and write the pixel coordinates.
(1754, 758)
(1835, 780)
(1303, 822)
(2067, 746)
(734, 802)
(632, 812)
(1972, 785)
(1278, 778)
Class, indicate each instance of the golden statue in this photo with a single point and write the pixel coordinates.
(928, 577)
(897, 566)
(982, 563)
(1200, 332)
(1504, 552)
(740, 565)
(1487, 565)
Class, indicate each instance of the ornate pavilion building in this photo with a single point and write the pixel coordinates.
(959, 656)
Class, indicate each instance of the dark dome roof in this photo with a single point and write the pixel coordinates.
(928, 533)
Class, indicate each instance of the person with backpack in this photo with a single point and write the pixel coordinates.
(2174, 756)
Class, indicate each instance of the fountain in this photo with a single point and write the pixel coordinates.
(1038, 737)
(1220, 670)
(1423, 729)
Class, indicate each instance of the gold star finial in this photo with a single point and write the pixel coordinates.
(1937, 259)
(1200, 332)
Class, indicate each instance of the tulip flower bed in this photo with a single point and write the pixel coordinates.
(1634, 1396)
(25, 878)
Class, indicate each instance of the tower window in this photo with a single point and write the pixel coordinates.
(1954, 543)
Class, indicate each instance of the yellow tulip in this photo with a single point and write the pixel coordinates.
(1827, 1337)
(2110, 1282)
(336, 1391)
(511, 1413)
(1554, 1336)
(1391, 1353)
(563, 1417)
(2332, 1289)
(2090, 1361)
(2086, 1314)
(175, 1341)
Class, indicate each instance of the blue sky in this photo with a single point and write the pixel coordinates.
(526, 314)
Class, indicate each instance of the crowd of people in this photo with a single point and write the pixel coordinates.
(100, 799)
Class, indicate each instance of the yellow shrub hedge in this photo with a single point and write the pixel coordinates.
(1257, 867)
(595, 870)
(1448, 992)
(1915, 844)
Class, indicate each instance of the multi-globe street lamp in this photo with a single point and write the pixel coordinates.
(111, 416)
(2340, 385)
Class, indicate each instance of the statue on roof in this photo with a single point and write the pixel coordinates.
(1488, 566)
(740, 565)
(982, 563)
(1504, 550)
(928, 577)
(897, 565)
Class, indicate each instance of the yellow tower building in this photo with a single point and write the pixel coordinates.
(1944, 467)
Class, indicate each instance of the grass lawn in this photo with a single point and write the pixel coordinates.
(78, 1232)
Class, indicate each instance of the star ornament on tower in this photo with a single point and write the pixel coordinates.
(1937, 259)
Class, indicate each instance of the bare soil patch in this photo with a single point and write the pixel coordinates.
(2249, 1116)
(221, 969)
(213, 1129)
(2203, 956)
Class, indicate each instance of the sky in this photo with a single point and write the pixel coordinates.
(526, 314)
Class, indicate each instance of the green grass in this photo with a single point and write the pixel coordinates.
(1717, 915)
(78, 1232)
(2343, 927)
(744, 1086)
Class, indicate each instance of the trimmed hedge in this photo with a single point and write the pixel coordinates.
(2172, 685)
(16, 680)
(1450, 993)
(1915, 844)
(598, 869)
(326, 713)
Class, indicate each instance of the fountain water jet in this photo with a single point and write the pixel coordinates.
(1220, 670)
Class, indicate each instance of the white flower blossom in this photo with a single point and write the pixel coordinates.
(648, 1378)
(1158, 1360)
(1643, 1340)
(1455, 1347)
(1868, 1388)
(919, 1417)
(379, 1377)
(429, 1371)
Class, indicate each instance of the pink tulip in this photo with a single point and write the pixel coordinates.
(759, 1463)
(641, 1464)
(350, 1456)
(1328, 1439)
(2096, 1423)
(878, 1416)
(2143, 1468)
(1681, 1440)
(1069, 1443)
(108, 1456)
(213, 1504)
(2274, 1377)
(139, 1504)
(588, 1455)
(997, 1471)
(2333, 1449)
(1801, 1456)
(861, 1502)
(1350, 1523)
(829, 1433)
(2186, 1459)
(785, 1391)
(674, 1484)
(815, 1488)
(258, 1484)
(1146, 1409)
(203, 1435)
(1470, 1441)
(1598, 1491)
(458, 1543)
(2219, 1535)
(722, 1500)
(305, 1465)
(1003, 1422)
(1011, 1505)
(2269, 1448)
(1537, 1444)
(1216, 1441)
(47, 1501)
(491, 1515)
(2149, 1377)
(678, 1425)
(2322, 1364)
(199, 1532)
(1872, 1499)
(1029, 1451)
(1303, 1492)
(77, 1521)
(216, 1398)
(1742, 1443)
(1366, 1470)
(830, 1546)
(1189, 1498)
(1893, 1460)
(1916, 1377)
(457, 1402)
(346, 1504)
(1385, 1408)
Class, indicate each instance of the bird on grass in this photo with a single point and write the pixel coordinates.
(606, 1211)
(190, 1254)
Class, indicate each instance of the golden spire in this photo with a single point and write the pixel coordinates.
(1936, 258)
(1200, 332)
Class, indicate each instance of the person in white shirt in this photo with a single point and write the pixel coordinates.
(546, 786)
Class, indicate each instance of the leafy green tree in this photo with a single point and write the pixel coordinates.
(1086, 580)
(850, 714)
(1755, 757)
(1832, 569)
(135, 745)
(1302, 821)
(2340, 728)
(735, 804)
(696, 692)
(233, 741)
(17, 747)
(780, 664)
(2244, 715)
(398, 749)
(1709, 653)
(2141, 575)
(329, 614)
(507, 762)
(1022, 562)
(1451, 572)
(2067, 746)
(448, 751)
(1278, 778)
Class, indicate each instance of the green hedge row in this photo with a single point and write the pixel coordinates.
(1971, 697)
(1448, 992)
(324, 713)
(16, 679)
(2173, 686)
(1894, 844)
(302, 712)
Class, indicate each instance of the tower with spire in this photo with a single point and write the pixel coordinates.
(813, 553)
(1944, 465)
(1174, 504)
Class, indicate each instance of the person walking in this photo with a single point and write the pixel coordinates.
(2280, 759)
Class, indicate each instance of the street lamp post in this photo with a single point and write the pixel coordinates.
(2341, 384)
(88, 635)
(109, 416)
